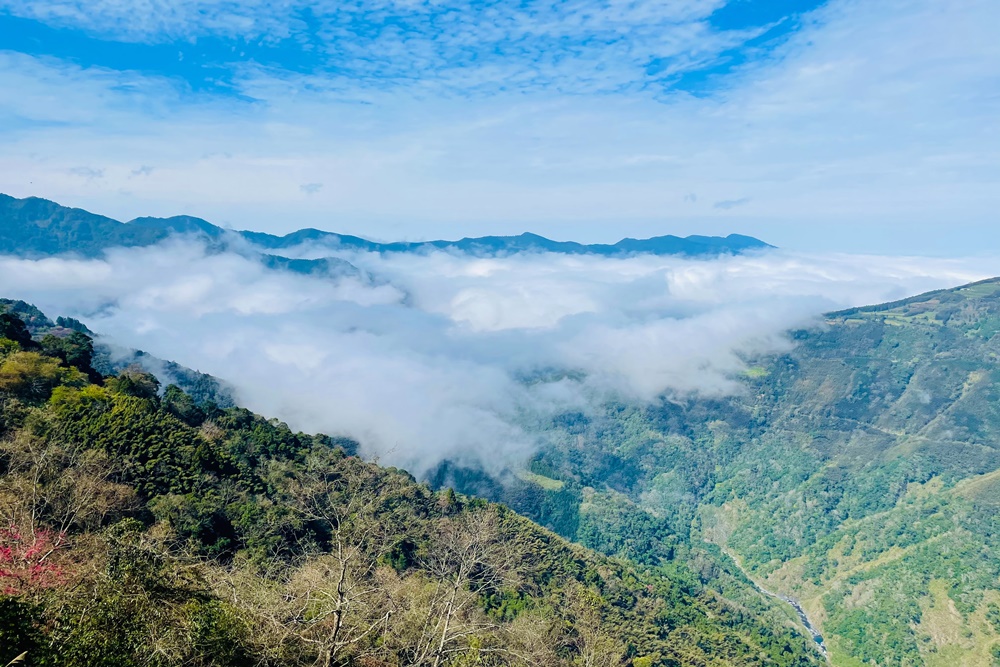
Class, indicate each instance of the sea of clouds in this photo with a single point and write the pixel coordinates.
(427, 357)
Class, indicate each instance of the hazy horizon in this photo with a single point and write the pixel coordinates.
(894, 245)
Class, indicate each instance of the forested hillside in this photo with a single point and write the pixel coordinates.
(143, 527)
(859, 473)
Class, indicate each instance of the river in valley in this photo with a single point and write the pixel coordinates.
(816, 636)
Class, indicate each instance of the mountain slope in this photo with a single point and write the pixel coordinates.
(35, 226)
(108, 360)
(146, 529)
(857, 474)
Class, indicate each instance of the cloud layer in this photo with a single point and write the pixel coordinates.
(448, 356)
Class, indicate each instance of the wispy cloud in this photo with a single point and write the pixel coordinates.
(87, 173)
(727, 204)
(462, 47)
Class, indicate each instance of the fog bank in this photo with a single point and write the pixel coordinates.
(450, 356)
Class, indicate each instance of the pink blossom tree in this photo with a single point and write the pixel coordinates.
(25, 564)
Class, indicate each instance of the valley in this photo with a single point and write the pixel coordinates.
(793, 603)
(148, 528)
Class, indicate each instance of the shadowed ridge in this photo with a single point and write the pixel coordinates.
(34, 227)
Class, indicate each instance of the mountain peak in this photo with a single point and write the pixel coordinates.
(181, 224)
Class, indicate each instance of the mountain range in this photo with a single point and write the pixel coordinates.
(33, 227)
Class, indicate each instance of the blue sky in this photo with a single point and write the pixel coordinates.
(843, 125)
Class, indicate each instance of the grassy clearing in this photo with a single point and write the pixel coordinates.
(546, 483)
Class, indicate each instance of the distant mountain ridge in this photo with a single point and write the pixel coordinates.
(35, 226)
(526, 242)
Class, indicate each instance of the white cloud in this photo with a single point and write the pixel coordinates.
(460, 46)
(155, 19)
(453, 21)
(428, 363)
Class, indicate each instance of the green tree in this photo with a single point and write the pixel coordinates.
(76, 350)
(14, 328)
(32, 376)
